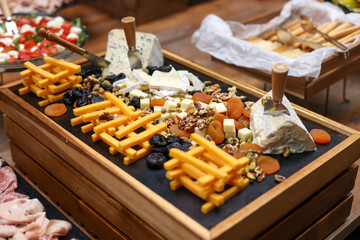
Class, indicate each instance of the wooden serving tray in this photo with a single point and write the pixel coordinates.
(146, 193)
(333, 68)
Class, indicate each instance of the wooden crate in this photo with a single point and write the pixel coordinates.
(333, 68)
(140, 204)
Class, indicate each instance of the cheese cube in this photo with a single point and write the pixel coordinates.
(244, 133)
(157, 108)
(201, 132)
(165, 116)
(144, 103)
(229, 125)
(169, 105)
(212, 105)
(230, 134)
(203, 105)
(137, 93)
(186, 103)
(220, 108)
(181, 115)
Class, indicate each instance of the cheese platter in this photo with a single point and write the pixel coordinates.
(144, 197)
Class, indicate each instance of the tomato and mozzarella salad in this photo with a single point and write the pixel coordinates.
(27, 45)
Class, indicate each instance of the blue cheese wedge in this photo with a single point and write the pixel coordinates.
(275, 133)
(117, 49)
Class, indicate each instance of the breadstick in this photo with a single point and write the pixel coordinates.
(349, 38)
(269, 34)
(292, 23)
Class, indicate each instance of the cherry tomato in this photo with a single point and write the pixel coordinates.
(36, 54)
(28, 34)
(72, 40)
(25, 20)
(66, 25)
(49, 50)
(30, 43)
(43, 23)
(23, 55)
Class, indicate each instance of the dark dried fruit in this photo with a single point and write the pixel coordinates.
(89, 70)
(82, 101)
(69, 98)
(158, 140)
(112, 78)
(106, 87)
(160, 149)
(174, 138)
(155, 160)
(178, 146)
(96, 98)
(151, 69)
(135, 101)
(186, 145)
(77, 92)
(106, 116)
(86, 91)
(165, 68)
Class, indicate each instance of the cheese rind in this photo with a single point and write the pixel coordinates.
(274, 133)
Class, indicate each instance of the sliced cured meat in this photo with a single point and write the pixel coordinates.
(10, 195)
(7, 179)
(20, 210)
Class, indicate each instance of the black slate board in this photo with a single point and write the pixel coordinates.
(52, 212)
(182, 198)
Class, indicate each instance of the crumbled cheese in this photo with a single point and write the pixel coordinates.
(13, 53)
(56, 22)
(27, 28)
(75, 30)
(169, 105)
(7, 41)
(72, 36)
(4, 57)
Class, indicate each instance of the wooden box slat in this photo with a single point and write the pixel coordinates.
(332, 219)
(110, 209)
(145, 204)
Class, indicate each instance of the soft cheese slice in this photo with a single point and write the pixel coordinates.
(274, 133)
(168, 81)
(117, 49)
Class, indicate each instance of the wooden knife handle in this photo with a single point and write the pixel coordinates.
(278, 80)
(5, 8)
(129, 29)
(52, 37)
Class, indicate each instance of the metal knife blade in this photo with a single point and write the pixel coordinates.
(95, 60)
(134, 55)
(10, 24)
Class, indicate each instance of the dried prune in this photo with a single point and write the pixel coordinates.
(77, 92)
(186, 146)
(96, 98)
(86, 91)
(160, 149)
(155, 160)
(178, 146)
(69, 98)
(135, 101)
(112, 78)
(158, 140)
(82, 101)
(89, 70)
(106, 87)
(174, 138)
(151, 69)
(165, 68)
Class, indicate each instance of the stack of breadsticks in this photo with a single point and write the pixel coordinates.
(342, 32)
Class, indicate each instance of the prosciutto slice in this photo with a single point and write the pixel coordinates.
(8, 179)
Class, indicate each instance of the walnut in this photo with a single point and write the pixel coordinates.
(106, 116)
(229, 149)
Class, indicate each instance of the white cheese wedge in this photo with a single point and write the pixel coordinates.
(137, 93)
(186, 103)
(117, 49)
(274, 133)
(220, 108)
(194, 80)
(229, 125)
(244, 133)
(144, 103)
(141, 76)
(168, 81)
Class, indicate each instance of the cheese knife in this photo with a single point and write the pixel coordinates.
(134, 55)
(10, 24)
(273, 106)
(96, 60)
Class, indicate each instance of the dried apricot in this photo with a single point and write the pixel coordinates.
(157, 102)
(246, 112)
(238, 155)
(201, 97)
(235, 108)
(269, 164)
(244, 120)
(320, 136)
(215, 131)
(238, 125)
(220, 117)
(174, 129)
(55, 110)
(251, 146)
